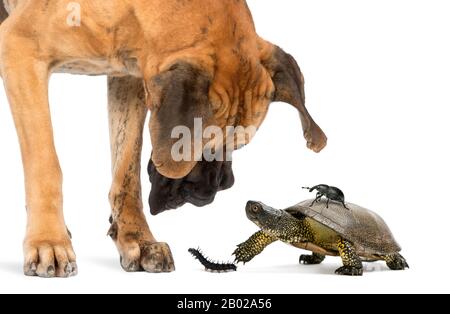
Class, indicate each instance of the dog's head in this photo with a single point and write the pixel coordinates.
(199, 116)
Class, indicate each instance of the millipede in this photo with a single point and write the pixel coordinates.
(210, 265)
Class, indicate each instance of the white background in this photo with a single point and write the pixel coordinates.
(378, 78)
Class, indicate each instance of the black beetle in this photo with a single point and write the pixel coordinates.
(330, 192)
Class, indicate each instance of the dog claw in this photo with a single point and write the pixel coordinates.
(30, 270)
(130, 266)
(51, 271)
(48, 259)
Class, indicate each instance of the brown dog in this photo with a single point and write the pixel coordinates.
(180, 59)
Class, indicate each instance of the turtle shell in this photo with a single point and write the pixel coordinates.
(364, 228)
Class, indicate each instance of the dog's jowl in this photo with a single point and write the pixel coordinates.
(182, 60)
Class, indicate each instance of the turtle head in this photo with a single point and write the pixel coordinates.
(274, 222)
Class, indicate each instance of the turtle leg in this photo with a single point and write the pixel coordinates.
(253, 247)
(352, 262)
(328, 203)
(396, 261)
(314, 259)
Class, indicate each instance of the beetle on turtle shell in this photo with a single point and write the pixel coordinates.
(332, 193)
(356, 235)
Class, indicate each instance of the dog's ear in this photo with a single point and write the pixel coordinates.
(3, 13)
(178, 97)
(289, 87)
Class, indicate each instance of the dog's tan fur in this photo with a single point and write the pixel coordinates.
(137, 44)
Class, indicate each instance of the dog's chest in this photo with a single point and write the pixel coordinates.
(100, 67)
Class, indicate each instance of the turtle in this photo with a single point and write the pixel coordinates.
(354, 233)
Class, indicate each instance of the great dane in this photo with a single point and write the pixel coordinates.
(178, 59)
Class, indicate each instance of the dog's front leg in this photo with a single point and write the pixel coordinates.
(47, 246)
(137, 247)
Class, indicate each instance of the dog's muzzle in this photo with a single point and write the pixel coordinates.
(198, 188)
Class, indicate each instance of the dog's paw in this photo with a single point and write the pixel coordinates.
(149, 257)
(316, 138)
(157, 258)
(138, 249)
(49, 259)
